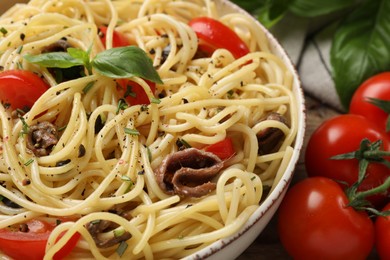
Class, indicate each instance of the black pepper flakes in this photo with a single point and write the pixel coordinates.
(82, 151)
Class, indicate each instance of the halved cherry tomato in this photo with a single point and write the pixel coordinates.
(223, 149)
(21, 88)
(118, 40)
(32, 244)
(377, 87)
(315, 222)
(133, 93)
(343, 134)
(214, 35)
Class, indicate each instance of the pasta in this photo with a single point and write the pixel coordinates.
(94, 174)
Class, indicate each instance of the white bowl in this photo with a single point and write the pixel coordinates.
(233, 246)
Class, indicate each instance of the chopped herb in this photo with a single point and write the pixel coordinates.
(22, 36)
(3, 31)
(122, 105)
(149, 154)
(129, 92)
(253, 178)
(62, 128)
(88, 87)
(126, 178)
(29, 162)
(144, 108)
(188, 206)
(230, 93)
(131, 131)
(1, 197)
(58, 221)
(19, 49)
(25, 127)
(121, 248)
(119, 232)
(20, 112)
(96, 221)
(142, 172)
(19, 65)
(155, 100)
(182, 144)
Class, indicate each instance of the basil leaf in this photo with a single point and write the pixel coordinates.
(251, 4)
(361, 47)
(312, 8)
(125, 62)
(54, 60)
(272, 12)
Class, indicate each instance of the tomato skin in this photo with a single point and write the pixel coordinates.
(382, 235)
(214, 34)
(21, 88)
(140, 97)
(314, 222)
(118, 40)
(32, 244)
(223, 149)
(378, 86)
(343, 134)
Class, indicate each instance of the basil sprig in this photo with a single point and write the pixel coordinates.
(361, 43)
(122, 62)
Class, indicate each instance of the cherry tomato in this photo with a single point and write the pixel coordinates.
(118, 40)
(343, 134)
(377, 87)
(133, 93)
(32, 244)
(314, 222)
(21, 88)
(382, 235)
(214, 35)
(223, 149)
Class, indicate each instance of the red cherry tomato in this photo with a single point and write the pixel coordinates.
(377, 87)
(133, 93)
(21, 88)
(118, 40)
(32, 244)
(214, 35)
(343, 134)
(314, 222)
(382, 235)
(223, 149)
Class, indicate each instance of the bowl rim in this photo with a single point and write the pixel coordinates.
(277, 194)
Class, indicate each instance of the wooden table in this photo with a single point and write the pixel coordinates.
(267, 245)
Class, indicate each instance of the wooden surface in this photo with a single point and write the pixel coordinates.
(267, 245)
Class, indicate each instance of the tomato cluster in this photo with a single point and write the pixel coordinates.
(341, 211)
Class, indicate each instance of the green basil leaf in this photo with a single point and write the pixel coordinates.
(272, 12)
(125, 62)
(250, 5)
(54, 60)
(361, 47)
(312, 8)
(79, 54)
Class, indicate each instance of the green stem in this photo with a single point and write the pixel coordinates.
(376, 190)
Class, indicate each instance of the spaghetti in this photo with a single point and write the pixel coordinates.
(202, 100)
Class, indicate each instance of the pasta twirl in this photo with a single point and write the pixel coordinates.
(99, 170)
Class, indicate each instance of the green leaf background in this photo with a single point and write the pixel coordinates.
(361, 47)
